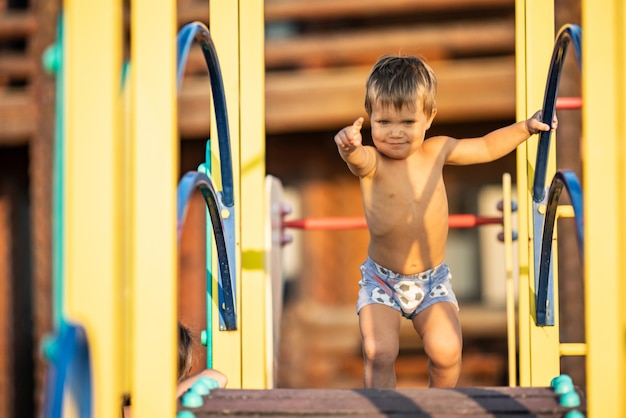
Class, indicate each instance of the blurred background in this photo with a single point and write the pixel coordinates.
(318, 54)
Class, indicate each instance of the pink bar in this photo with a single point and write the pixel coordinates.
(569, 103)
(338, 223)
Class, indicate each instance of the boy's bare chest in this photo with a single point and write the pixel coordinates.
(398, 183)
(401, 200)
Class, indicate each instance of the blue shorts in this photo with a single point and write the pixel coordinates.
(408, 294)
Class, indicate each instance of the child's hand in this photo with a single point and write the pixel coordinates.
(349, 138)
(534, 125)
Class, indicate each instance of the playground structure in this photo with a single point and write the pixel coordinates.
(122, 261)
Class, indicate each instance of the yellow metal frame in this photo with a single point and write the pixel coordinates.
(122, 169)
(110, 184)
(240, 44)
(257, 328)
(538, 346)
(604, 171)
(507, 227)
(225, 34)
(154, 175)
(93, 203)
(121, 203)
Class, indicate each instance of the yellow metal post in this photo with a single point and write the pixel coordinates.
(538, 357)
(154, 175)
(604, 163)
(225, 32)
(239, 41)
(257, 328)
(93, 54)
(507, 227)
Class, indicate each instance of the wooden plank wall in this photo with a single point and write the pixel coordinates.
(18, 109)
(15, 27)
(319, 53)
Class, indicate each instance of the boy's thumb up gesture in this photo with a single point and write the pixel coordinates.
(349, 138)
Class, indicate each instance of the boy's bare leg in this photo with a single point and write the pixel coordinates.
(380, 330)
(440, 330)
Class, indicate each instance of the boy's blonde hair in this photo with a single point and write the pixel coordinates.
(400, 81)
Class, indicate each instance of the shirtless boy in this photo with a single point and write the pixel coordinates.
(406, 209)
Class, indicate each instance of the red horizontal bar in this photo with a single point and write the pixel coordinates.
(566, 103)
(337, 223)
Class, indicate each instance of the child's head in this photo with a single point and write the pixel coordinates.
(400, 82)
(185, 350)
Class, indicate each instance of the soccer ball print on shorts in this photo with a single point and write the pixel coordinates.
(409, 294)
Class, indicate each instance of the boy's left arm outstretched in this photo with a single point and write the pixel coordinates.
(495, 144)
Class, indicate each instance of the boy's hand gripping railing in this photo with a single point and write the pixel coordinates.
(566, 34)
(543, 224)
(221, 205)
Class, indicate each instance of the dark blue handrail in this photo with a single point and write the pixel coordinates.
(69, 368)
(561, 179)
(191, 182)
(568, 33)
(186, 36)
(222, 203)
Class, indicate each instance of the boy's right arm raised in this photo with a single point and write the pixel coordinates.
(360, 160)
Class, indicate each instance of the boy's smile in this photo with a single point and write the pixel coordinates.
(397, 133)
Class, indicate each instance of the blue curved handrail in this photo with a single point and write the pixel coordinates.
(186, 36)
(191, 182)
(223, 200)
(69, 368)
(544, 224)
(567, 33)
(567, 179)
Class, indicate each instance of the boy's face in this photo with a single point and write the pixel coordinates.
(398, 133)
